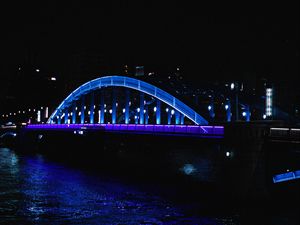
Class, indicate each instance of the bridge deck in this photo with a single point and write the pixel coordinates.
(192, 130)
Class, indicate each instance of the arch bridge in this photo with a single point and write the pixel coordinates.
(73, 109)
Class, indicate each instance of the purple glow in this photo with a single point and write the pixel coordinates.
(177, 129)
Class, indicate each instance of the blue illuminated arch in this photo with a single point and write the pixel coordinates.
(121, 81)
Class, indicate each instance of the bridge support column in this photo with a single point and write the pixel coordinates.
(92, 108)
(182, 119)
(127, 98)
(66, 116)
(169, 116)
(74, 113)
(211, 108)
(177, 117)
(158, 106)
(141, 108)
(114, 107)
(101, 114)
(146, 114)
(82, 110)
(248, 113)
(228, 110)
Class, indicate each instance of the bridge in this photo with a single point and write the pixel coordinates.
(131, 106)
(174, 105)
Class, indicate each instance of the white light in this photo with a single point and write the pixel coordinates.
(276, 128)
(110, 111)
(37, 70)
(104, 105)
(172, 111)
(39, 116)
(89, 112)
(154, 109)
(269, 94)
(129, 103)
(209, 107)
(264, 116)
(123, 110)
(84, 107)
(29, 110)
(167, 109)
(244, 113)
(144, 111)
(116, 104)
(105, 110)
(227, 154)
(226, 107)
(79, 113)
(135, 117)
(232, 86)
(138, 109)
(53, 78)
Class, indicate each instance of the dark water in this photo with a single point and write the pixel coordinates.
(37, 190)
(34, 190)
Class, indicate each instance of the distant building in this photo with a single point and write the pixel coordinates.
(139, 71)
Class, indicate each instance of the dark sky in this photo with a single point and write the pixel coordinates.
(217, 40)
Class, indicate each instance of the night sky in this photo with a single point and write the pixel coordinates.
(215, 41)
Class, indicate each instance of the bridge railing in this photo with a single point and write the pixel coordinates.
(177, 129)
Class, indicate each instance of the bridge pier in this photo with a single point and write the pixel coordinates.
(177, 117)
(169, 116)
(182, 119)
(92, 108)
(66, 116)
(127, 97)
(101, 115)
(247, 113)
(158, 106)
(114, 107)
(74, 113)
(82, 110)
(228, 111)
(142, 97)
(146, 114)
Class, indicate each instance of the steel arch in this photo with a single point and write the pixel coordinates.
(121, 81)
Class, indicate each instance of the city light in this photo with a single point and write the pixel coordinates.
(269, 95)
(154, 109)
(138, 109)
(244, 114)
(167, 109)
(232, 86)
(37, 70)
(53, 78)
(172, 111)
(209, 107)
(123, 110)
(226, 107)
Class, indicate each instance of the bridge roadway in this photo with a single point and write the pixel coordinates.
(175, 130)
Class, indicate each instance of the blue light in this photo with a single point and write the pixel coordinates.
(188, 169)
(120, 81)
(286, 176)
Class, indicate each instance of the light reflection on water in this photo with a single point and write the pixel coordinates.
(36, 191)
